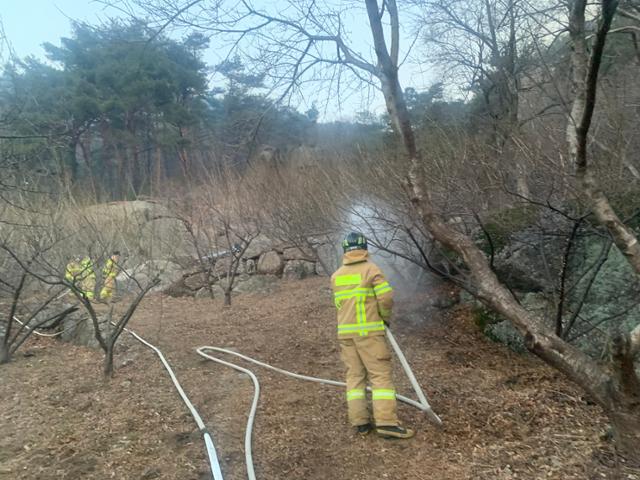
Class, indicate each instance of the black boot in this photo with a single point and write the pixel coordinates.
(364, 429)
(394, 431)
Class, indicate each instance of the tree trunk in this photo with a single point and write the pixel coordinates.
(623, 408)
(210, 288)
(71, 165)
(158, 168)
(622, 405)
(107, 369)
(183, 154)
(625, 421)
(227, 297)
(4, 354)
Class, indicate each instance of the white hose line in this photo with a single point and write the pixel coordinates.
(248, 434)
(200, 352)
(46, 334)
(414, 383)
(39, 334)
(422, 405)
(211, 450)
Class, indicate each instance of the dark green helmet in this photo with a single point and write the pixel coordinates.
(354, 241)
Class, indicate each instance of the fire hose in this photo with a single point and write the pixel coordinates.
(214, 462)
(422, 405)
(216, 471)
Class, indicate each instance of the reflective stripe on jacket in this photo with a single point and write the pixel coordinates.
(81, 274)
(362, 296)
(72, 271)
(110, 269)
(76, 271)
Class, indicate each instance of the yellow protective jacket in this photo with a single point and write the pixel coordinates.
(78, 271)
(110, 269)
(81, 274)
(362, 295)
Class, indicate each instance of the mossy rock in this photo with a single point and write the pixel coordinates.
(496, 328)
(483, 317)
(501, 225)
(504, 332)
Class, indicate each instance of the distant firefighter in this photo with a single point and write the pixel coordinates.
(80, 272)
(109, 273)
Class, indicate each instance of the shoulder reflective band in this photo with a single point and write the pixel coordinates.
(383, 394)
(382, 288)
(355, 394)
(354, 292)
(342, 280)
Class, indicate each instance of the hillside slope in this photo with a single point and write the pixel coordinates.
(506, 416)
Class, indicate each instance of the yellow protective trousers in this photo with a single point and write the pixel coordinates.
(368, 359)
(106, 293)
(109, 273)
(81, 274)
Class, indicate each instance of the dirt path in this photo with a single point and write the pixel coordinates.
(506, 416)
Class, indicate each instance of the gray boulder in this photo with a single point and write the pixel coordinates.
(270, 263)
(167, 271)
(530, 245)
(218, 292)
(504, 332)
(78, 329)
(258, 246)
(221, 267)
(249, 266)
(295, 253)
(320, 271)
(145, 225)
(264, 284)
(531, 261)
(329, 255)
(196, 281)
(298, 269)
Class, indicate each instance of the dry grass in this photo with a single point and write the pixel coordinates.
(506, 416)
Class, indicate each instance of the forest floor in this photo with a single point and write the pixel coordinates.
(506, 415)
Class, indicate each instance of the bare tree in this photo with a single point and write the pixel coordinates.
(237, 239)
(18, 287)
(311, 35)
(488, 47)
(235, 213)
(616, 389)
(220, 215)
(300, 205)
(60, 232)
(26, 301)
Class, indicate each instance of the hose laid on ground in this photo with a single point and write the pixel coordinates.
(211, 449)
(40, 334)
(422, 405)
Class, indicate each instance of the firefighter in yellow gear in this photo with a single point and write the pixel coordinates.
(364, 300)
(80, 272)
(109, 273)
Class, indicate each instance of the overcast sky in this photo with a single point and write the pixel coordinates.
(30, 23)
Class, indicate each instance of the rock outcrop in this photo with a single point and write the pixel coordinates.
(262, 263)
(270, 263)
